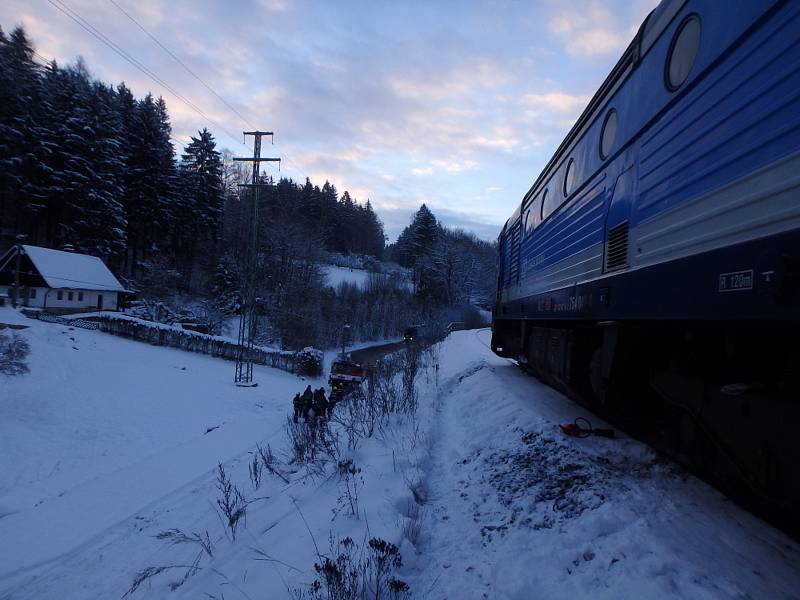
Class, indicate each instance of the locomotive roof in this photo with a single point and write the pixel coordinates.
(651, 29)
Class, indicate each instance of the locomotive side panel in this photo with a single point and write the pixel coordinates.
(584, 262)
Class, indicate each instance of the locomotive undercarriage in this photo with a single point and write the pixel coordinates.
(722, 398)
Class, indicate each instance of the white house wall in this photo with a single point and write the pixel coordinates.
(89, 300)
(52, 302)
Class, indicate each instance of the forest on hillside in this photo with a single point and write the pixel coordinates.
(86, 164)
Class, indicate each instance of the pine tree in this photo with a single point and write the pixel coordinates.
(152, 181)
(85, 211)
(374, 238)
(26, 180)
(226, 289)
(418, 239)
(203, 165)
(201, 200)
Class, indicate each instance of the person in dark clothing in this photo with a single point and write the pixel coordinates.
(320, 403)
(308, 402)
(331, 403)
(297, 404)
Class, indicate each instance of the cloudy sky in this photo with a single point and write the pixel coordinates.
(455, 104)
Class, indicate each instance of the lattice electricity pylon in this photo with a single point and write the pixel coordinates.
(247, 322)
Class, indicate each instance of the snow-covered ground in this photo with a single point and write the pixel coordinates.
(521, 511)
(102, 426)
(335, 276)
(105, 444)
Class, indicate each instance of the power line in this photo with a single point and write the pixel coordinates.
(196, 76)
(209, 88)
(181, 63)
(180, 142)
(89, 28)
(44, 60)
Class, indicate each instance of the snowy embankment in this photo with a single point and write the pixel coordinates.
(521, 511)
(478, 488)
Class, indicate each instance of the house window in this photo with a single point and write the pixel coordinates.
(32, 293)
(80, 296)
(60, 295)
(69, 296)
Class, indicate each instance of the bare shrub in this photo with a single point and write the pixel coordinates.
(415, 515)
(383, 559)
(256, 469)
(148, 573)
(356, 417)
(175, 537)
(350, 476)
(409, 368)
(210, 317)
(419, 490)
(354, 572)
(231, 501)
(312, 444)
(14, 349)
(390, 390)
(270, 462)
(383, 391)
(302, 441)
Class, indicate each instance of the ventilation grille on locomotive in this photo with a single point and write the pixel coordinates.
(617, 247)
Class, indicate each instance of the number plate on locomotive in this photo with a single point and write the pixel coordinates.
(736, 281)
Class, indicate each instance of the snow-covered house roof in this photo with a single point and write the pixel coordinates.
(72, 270)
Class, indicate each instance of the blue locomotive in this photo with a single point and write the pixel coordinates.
(653, 268)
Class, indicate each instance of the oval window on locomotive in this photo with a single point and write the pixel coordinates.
(550, 202)
(608, 134)
(682, 52)
(569, 178)
(528, 223)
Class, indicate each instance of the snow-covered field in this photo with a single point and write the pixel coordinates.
(335, 276)
(106, 443)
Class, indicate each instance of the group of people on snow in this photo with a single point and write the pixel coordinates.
(311, 406)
